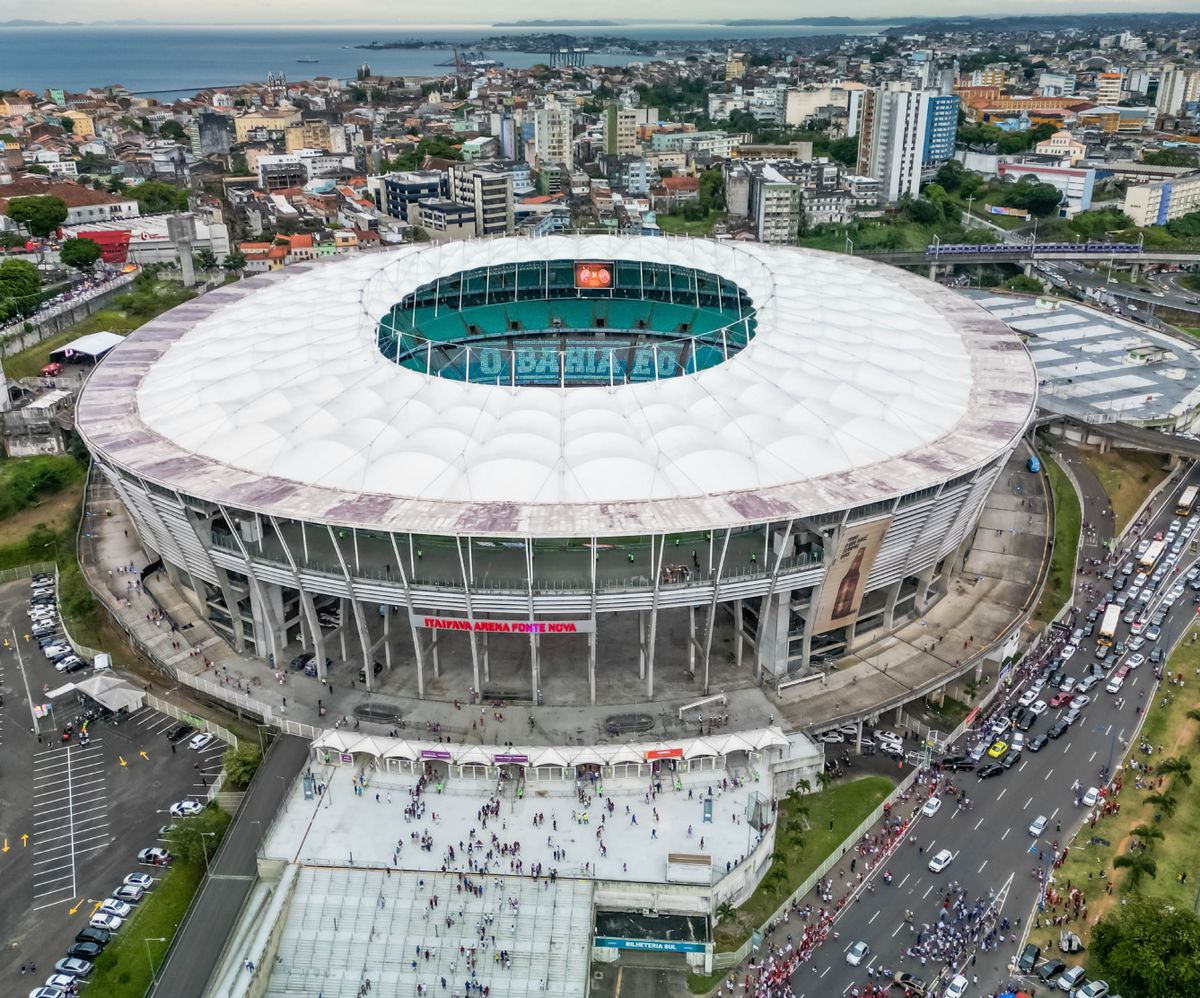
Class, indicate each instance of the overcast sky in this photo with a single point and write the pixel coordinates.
(387, 12)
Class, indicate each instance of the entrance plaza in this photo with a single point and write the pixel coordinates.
(603, 812)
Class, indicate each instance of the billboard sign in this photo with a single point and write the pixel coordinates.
(651, 945)
(596, 276)
(995, 209)
(663, 753)
(486, 626)
(846, 577)
(113, 243)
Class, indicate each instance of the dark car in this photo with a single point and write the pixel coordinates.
(85, 951)
(1029, 958)
(990, 770)
(1058, 728)
(101, 937)
(300, 661)
(1157, 656)
(377, 668)
(1011, 759)
(1051, 969)
(1036, 743)
(75, 666)
(957, 762)
(179, 732)
(1056, 677)
(1026, 720)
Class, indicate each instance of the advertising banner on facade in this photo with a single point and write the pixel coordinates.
(842, 591)
(492, 626)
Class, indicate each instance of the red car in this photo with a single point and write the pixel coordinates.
(52, 370)
(1060, 699)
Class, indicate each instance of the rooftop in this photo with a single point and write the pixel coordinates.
(862, 383)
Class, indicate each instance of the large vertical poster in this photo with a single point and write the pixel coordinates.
(846, 578)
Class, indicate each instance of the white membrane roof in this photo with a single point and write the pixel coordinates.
(863, 382)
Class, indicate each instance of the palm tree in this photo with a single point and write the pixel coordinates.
(804, 786)
(1180, 768)
(1146, 834)
(724, 911)
(1137, 864)
(1163, 802)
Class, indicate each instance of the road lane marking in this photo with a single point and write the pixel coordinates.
(1002, 793)
(870, 920)
(980, 870)
(1027, 803)
(906, 876)
(978, 823)
(1006, 831)
(927, 891)
(1047, 776)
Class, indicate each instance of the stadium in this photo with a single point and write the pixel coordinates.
(550, 469)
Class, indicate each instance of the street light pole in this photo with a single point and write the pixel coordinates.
(149, 957)
(204, 848)
(969, 200)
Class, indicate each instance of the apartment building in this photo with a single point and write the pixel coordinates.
(487, 188)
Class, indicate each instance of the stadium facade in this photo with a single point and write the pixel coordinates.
(433, 451)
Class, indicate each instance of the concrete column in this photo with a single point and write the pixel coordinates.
(343, 604)
(739, 633)
(889, 610)
(387, 638)
(487, 667)
(419, 652)
(592, 663)
(535, 665)
(364, 639)
(231, 604)
(641, 644)
(858, 737)
(691, 659)
(433, 653)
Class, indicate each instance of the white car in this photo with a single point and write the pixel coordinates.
(184, 808)
(1081, 701)
(1090, 798)
(111, 906)
(857, 953)
(941, 860)
(1115, 684)
(831, 738)
(103, 921)
(202, 740)
(140, 880)
(956, 988)
(932, 806)
(1068, 651)
(1093, 989)
(1028, 697)
(1135, 660)
(1038, 707)
(1038, 825)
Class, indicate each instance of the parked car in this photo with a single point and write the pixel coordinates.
(85, 950)
(184, 808)
(202, 740)
(153, 856)
(1071, 979)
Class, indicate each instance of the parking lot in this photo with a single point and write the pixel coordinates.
(72, 815)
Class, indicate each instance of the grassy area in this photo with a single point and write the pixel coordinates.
(1068, 518)
(27, 363)
(1194, 330)
(832, 815)
(123, 969)
(1090, 867)
(1128, 476)
(952, 712)
(677, 225)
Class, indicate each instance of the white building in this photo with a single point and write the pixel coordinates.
(892, 127)
(1162, 201)
(552, 134)
(1175, 88)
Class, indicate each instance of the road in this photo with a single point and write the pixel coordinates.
(200, 940)
(1164, 290)
(991, 843)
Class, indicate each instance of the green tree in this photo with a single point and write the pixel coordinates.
(116, 185)
(1036, 198)
(19, 281)
(1172, 157)
(1163, 802)
(41, 542)
(1148, 834)
(206, 259)
(235, 262)
(156, 196)
(1178, 767)
(241, 763)
(11, 239)
(844, 150)
(1138, 864)
(81, 254)
(172, 129)
(39, 169)
(950, 175)
(74, 597)
(1030, 285)
(1149, 948)
(41, 215)
(196, 837)
(67, 125)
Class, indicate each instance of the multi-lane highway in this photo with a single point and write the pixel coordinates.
(990, 840)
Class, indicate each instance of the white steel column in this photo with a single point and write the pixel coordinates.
(356, 608)
(656, 566)
(408, 600)
(712, 609)
(307, 606)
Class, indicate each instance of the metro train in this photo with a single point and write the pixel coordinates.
(983, 249)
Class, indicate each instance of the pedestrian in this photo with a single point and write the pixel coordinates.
(172, 748)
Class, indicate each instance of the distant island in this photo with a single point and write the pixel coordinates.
(557, 23)
(405, 43)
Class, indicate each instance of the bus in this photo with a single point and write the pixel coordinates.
(1153, 553)
(1187, 501)
(1108, 626)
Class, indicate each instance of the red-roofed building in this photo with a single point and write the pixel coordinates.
(84, 205)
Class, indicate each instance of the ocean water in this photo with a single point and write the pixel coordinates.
(181, 60)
